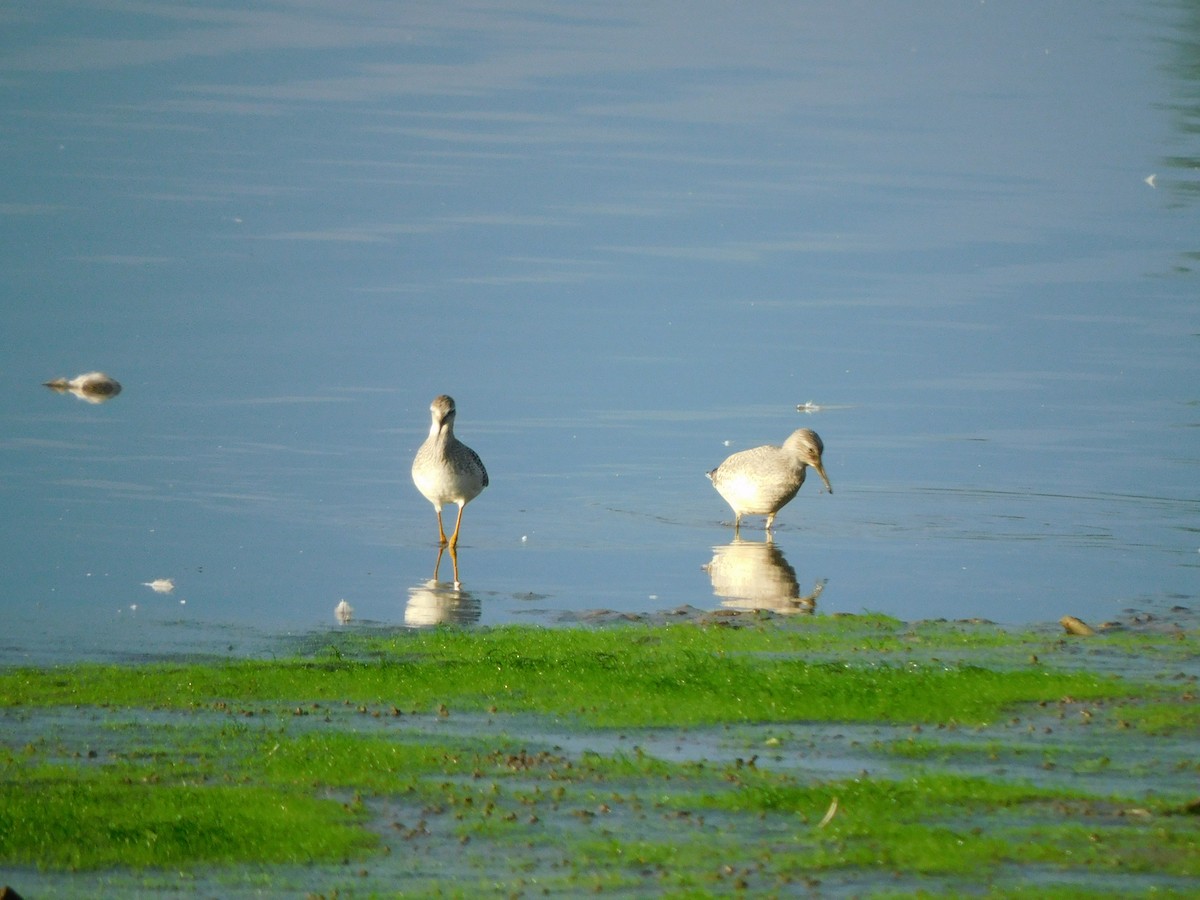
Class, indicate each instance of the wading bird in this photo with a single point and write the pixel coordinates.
(445, 469)
(760, 481)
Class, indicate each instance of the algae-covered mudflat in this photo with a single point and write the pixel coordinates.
(827, 755)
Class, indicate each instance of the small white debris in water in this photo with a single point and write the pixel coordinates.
(183, 603)
(1150, 179)
(653, 597)
(727, 443)
(343, 612)
(161, 585)
(94, 387)
(524, 538)
(133, 607)
(829, 813)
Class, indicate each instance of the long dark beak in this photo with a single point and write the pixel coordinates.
(821, 471)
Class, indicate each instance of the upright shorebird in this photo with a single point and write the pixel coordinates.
(760, 481)
(445, 469)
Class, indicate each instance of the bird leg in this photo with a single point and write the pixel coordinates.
(457, 525)
(441, 531)
(770, 522)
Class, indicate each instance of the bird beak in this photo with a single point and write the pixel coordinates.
(821, 471)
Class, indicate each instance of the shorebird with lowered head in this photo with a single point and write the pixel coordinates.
(761, 481)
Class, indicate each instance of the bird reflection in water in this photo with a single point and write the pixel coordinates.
(754, 575)
(94, 387)
(435, 602)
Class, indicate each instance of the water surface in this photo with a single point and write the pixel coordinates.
(629, 240)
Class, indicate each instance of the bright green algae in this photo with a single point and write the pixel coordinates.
(58, 818)
(306, 761)
(628, 677)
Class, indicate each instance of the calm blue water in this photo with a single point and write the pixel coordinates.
(628, 239)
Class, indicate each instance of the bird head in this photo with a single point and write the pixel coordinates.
(807, 445)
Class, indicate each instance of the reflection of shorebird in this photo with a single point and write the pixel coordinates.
(760, 481)
(755, 575)
(445, 469)
(453, 561)
(437, 603)
(94, 387)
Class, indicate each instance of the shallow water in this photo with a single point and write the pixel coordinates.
(629, 241)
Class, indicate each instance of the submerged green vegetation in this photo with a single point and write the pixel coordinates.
(689, 758)
(836, 670)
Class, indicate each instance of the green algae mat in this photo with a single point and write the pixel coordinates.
(727, 753)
